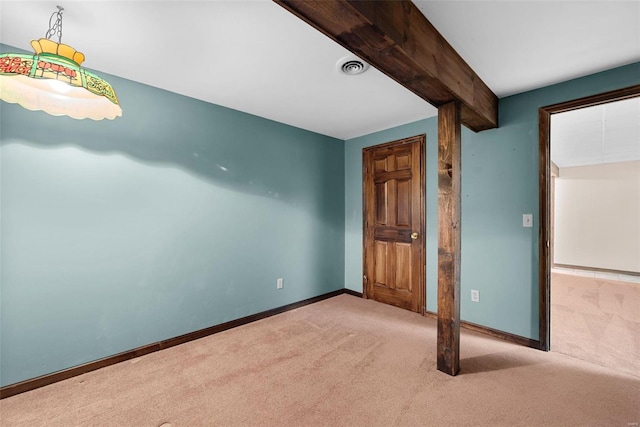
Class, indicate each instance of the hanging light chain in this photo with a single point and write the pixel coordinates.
(55, 28)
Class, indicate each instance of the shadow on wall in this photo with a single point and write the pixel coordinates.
(105, 252)
(229, 148)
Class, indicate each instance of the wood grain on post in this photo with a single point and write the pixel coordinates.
(449, 145)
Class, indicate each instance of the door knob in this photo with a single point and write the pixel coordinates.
(414, 235)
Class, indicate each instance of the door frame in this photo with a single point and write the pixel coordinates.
(544, 238)
(421, 139)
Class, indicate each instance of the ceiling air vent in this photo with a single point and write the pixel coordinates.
(352, 65)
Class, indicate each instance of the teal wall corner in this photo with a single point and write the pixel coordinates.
(177, 216)
(182, 214)
(499, 184)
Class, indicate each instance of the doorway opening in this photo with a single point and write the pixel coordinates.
(589, 234)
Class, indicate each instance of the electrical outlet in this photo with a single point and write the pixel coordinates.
(475, 295)
(280, 283)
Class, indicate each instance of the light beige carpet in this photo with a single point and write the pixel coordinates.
(596, 320)
(342, 361)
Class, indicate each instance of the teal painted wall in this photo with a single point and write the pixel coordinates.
(499, 184)
(182, 214)
(177, 216)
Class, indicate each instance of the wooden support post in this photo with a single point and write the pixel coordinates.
(449, 145)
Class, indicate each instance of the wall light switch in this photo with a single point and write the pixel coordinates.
(280, 283)
(527, 220)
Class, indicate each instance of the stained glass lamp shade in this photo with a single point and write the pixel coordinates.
(53, 81)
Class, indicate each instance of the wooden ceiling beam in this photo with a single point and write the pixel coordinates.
(396, 38)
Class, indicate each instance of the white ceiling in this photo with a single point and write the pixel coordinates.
(256, 57)
(607, 133)
(516, 45)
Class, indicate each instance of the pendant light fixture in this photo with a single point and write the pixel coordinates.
(53, 81)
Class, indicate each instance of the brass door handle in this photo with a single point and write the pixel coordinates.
(414, 235)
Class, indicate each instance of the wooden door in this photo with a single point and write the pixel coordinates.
(393, 188)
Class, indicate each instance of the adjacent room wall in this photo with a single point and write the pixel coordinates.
(499, 184)
(178, 216)
(597, 216)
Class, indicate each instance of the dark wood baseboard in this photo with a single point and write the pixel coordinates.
(33, 383)
(506, 336)
(516, 339)
(354, 293)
